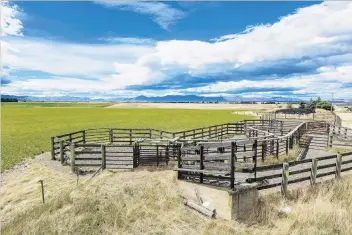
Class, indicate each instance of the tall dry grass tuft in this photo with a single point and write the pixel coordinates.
(323, 209)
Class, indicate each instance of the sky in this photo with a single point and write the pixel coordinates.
(108, 49)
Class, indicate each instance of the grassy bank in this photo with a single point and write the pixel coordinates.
(27, 127)
(145, 202)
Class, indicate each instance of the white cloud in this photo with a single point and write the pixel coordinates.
(162, 13)
(142, 41)
(10, 24)
(67, 59)
(325, 81)
(318, 32)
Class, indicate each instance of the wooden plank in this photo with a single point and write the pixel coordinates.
(346, 161)
(87, 152)
(207, 172)
(326, 166)
(300, 171)
(326, 173)
(346, 154)
(88, 158)
(87, 165)
(306, 178)
(267, 177)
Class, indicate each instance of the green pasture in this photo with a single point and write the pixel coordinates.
(27, 127)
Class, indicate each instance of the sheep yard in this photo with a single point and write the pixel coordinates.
(27, 127)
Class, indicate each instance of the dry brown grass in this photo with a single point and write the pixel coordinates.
(271, 159)
(324, 209)
(144, 202)
(338, 150)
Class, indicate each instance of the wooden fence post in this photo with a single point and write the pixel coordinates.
(287, 145)
(84, 136)
(255, 151)
(263, 150)
(103, 157)
(277, 148)
(167, 155)
(245, 127)
(313, 171)
(110, 135)
(62, 160)
(179, 161)
(284, 183)
(338, 166)
(130, 136)
(244, 150)
(232, 168)
(330, 140)
(134, 156)
(52, 145)
(73, 157)
(201, 163)
(157, 155)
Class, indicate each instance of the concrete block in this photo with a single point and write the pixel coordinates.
(229, 205)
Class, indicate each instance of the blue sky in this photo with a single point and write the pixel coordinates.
(125, 49)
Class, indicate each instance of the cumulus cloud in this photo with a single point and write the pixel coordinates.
(319, 35)
(10, 24)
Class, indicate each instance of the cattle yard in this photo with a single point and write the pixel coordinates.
(223, 155)
(274, 151)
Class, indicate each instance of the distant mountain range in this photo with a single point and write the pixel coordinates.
(161, 99)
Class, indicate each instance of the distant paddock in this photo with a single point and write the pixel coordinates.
(218, 106)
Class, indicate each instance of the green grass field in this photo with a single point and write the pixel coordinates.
(27, 127)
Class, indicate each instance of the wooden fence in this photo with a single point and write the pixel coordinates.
(216, 162)
(276, 116)
(128, 148)
(340, 137)
(299, 171)
(129, 135)
(120, 156)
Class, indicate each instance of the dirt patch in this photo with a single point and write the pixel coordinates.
(346, 119)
